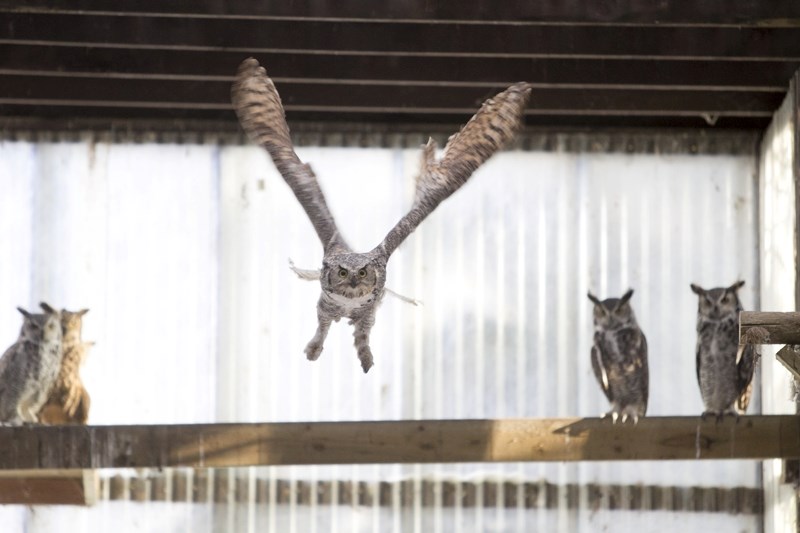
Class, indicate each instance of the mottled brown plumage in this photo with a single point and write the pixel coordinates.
(29, 367)
(353, 283)
(725, 368)
(619, 357)
(68, 402)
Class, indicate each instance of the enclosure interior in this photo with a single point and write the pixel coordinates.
(181, 252)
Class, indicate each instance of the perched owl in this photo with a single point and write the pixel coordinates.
(619, 357)
(68, 402)
(724, 371)
(353, 283)
(29, 367)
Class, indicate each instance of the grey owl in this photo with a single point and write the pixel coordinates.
(353, 283)
(619, 357)
(29, 367)
(68, 402)
(724, 372)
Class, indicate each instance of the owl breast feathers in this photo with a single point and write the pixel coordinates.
(352, 283)
(724, 368)
(619, 357)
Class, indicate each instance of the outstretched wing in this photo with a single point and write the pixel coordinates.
(495, 123)
(261, 115)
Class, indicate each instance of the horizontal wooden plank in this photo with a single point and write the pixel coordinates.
(782, 328)
(429, 441)
(251, 36)
(196, 94)
(750, 75)
(48, 487)
(744, 12)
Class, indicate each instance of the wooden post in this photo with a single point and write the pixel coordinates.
(782, 328)
(408, 441)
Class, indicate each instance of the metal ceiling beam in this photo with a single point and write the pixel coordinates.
(646, 12)
(467, 71)
(248, 35)
(194, 94)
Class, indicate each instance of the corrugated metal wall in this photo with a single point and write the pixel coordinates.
(181, 252)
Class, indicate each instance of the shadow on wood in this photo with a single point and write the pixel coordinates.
(409, 441)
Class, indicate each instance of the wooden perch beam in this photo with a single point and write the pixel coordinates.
(783, 328)
(442, 441)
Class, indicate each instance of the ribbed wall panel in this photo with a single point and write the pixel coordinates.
(182, 253)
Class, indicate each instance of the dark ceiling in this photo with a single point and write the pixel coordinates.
(635, 63)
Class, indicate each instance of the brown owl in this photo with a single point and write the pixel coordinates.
(68, 402)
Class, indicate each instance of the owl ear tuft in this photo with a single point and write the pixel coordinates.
(698, 290)
(47, 308)
(736, 286)
(625, 297)
(82, 312)
(593, 298)
(24, 312)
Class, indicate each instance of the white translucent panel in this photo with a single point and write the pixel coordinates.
(181, 253)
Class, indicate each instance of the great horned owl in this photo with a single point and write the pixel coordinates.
(29, 367)
(68, 402)
(724, 371)
(619, 357)
(353, 283)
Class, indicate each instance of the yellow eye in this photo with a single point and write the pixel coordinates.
(342, 273)
(362, 272)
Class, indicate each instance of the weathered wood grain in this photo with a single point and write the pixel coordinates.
(789, 356)
(425, 441)
(783, 328)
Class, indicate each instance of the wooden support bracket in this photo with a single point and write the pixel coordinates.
(789, 356)
(407, 441)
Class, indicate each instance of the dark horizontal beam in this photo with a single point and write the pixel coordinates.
(739, 12)
(250, 36)
(409, 441)
(749, 75)
(36, 117)
(345, 97)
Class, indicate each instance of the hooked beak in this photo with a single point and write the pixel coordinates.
(353, 282)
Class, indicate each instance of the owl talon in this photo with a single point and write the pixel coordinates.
(365, 357)
(313, 351)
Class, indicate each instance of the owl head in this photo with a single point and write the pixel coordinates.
(718, 303)
(71, 322)
(37, 327)
(613, 312)
(351, 275)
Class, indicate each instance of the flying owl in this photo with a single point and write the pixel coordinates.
(724, 369)
(29, 367)
(353, 283)
(68, 402)
(619, 357)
